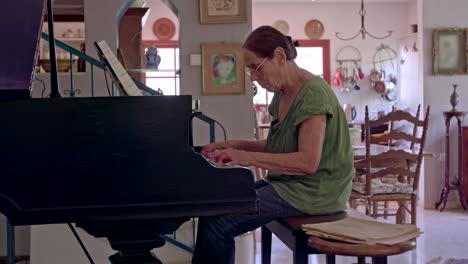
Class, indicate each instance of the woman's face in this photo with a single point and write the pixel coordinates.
(262, 70)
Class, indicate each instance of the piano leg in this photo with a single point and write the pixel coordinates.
(136, 253)
(118, 259)
(133, 239)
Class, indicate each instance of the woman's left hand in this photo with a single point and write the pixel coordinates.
(232, 157)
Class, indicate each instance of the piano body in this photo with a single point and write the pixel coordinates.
(118, 167)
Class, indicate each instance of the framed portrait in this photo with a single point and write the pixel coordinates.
(449, 51)
(223, 69)
(223, 11)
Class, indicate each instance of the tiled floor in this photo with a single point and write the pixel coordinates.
(445, 236)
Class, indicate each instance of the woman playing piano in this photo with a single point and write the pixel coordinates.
(307, 153)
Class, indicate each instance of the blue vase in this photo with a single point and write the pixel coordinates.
(152, 59)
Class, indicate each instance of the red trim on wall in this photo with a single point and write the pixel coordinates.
(325, 45)
(161, 43)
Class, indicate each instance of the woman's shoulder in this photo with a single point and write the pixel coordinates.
(316, 82)
(316, 86)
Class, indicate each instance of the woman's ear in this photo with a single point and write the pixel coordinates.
(280, 54)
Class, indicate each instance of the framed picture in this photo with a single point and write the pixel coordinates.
(223, 69)
(449, 51)
(223, 11)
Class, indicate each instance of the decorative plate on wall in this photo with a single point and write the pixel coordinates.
(164, 28)
(282, 26)
(314, 29)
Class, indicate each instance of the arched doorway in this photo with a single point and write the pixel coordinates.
(145, 24)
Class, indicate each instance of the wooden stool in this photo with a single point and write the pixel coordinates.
(289, 231)
(378, 253)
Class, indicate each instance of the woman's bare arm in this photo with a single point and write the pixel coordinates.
(248, 145)
(303, 162)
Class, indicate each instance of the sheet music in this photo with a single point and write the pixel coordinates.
(120, 72)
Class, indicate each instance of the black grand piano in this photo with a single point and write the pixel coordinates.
(118, 167)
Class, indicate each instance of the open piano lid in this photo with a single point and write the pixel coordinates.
(20, 29)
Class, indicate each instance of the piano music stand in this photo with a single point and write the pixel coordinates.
(108, 69)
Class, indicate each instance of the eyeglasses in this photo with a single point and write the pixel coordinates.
(256, 70)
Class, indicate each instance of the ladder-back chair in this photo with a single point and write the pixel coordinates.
(387, 173)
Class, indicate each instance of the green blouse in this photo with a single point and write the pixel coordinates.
(328, 189)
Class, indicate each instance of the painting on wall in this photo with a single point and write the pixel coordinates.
(449, 51)
(223, 11)
(223, 69)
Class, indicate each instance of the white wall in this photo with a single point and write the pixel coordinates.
(235, 112)
(158, 9)
(192, 34)
(343, 18)
(412, 13)
(437, 90)
(411, 93)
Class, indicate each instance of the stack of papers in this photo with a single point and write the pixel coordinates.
(363, 231)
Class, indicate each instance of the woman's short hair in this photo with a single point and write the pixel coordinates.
(264, 40)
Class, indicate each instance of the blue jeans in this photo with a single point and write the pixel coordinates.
(215, 239)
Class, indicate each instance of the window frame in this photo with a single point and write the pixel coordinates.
(325, 45)
(174, 44)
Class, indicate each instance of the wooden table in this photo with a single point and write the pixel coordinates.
(360, 150)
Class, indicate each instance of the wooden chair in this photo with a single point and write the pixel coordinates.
(386, 174)
(384, 207)
(393, 127)
(289, 231)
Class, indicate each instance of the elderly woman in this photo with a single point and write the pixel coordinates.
(307, 153)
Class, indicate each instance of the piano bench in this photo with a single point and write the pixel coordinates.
(289, 231)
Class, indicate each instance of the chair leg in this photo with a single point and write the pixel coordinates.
(400, 214)
(379, 260)
(361, 260)
(266, 245)
(414, 204)
(375, 209)
(330, 259)
(300, 255)
(385, 209)
(368, 205)
(352, 203)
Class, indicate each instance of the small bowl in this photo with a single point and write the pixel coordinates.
(63, 65)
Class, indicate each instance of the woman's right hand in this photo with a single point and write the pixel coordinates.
(213, 147)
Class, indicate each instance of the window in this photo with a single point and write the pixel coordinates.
(312, 55)
(166, 77)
